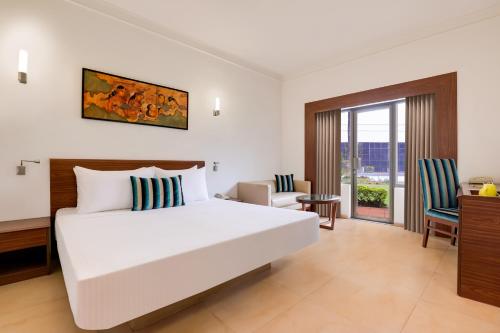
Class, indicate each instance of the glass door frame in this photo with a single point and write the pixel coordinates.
(353, 122)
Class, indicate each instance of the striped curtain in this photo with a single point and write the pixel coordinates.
(419, 125)
(328, 156)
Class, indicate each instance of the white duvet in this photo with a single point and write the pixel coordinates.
(119, 265)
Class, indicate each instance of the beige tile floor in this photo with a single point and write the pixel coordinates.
(362, 277)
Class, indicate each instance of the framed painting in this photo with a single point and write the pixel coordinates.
(115, 98)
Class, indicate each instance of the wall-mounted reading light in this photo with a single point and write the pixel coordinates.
(21, 169)
(216, 166)
(217, 107)
(22, 66)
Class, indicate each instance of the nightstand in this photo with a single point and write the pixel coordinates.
(24, 249)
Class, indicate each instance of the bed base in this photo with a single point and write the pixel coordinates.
(160, 314)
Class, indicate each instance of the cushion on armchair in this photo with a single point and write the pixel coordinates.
(284, 199)
(284, 183)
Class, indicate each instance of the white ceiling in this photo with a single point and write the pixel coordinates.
(287, 38)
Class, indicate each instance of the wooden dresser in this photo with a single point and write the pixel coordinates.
(479, 247)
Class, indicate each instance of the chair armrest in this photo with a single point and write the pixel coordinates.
(255, 193)
(303, 186)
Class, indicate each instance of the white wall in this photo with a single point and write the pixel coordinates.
(473, 51)
(42, 119)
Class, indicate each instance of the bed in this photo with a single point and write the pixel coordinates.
(121, 265)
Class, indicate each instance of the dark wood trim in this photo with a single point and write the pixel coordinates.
(25, 224)
(444, 87)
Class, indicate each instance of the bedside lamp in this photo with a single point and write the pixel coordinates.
(21, 169)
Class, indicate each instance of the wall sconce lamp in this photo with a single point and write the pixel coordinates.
(21, 169)
(22, 66)
(216, 166)
(217, 107)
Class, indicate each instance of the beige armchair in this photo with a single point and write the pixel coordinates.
(264, 193)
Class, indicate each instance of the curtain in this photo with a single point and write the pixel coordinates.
(419, 126)
(328, 156)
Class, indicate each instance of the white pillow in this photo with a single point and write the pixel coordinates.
(106, 190)
(194, 182)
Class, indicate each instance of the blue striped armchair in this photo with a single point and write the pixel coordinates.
(439, 179)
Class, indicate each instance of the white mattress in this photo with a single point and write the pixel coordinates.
(120, 265)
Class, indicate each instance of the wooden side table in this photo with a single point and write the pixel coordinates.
(24, 249)
(322, 199)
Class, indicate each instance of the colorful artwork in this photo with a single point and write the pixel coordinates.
(115, 98)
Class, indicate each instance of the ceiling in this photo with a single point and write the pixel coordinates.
(288, 38)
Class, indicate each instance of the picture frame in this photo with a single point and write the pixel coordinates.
(110, 97)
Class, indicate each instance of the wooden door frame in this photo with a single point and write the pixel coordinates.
(444, 87)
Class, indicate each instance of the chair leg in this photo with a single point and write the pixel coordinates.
(454, 231)
(426, 232)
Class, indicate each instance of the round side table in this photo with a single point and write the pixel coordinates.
(322, 199)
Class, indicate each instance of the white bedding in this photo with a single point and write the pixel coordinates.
(120, 265)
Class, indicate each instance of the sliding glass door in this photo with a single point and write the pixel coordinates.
(373, 159)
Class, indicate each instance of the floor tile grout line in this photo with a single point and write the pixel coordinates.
(419, 299)
(300, 299)
(220, 320)
(277, 314)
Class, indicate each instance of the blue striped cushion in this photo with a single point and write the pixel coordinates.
(284, 183)
(449, 214)
(153, 193)
(449, 211)
(439, 179)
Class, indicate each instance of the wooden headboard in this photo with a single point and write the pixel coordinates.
(63, 180)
